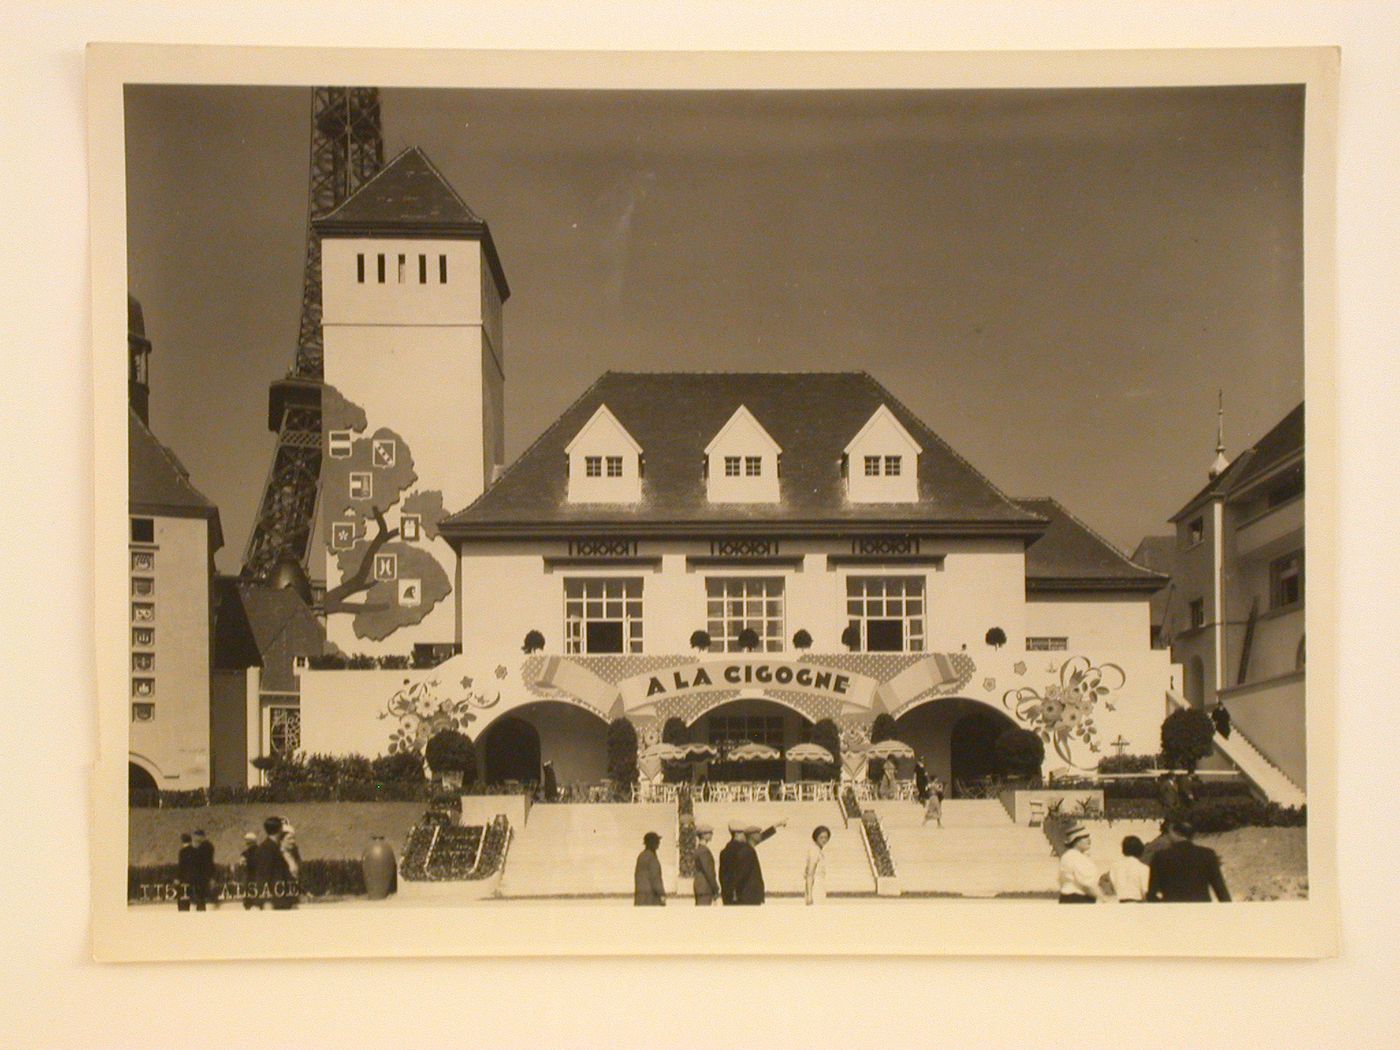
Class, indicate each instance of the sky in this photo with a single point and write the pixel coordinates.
(1057, 282)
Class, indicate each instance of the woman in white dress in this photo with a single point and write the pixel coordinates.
(815, 877)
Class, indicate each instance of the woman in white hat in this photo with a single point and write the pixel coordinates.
(1079, 876)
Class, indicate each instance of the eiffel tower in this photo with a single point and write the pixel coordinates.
(347, 150)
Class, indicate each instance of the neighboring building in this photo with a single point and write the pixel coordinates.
(260, 633)
(1236, 621)
(756, 508)
(1158, 553)
(174, 532)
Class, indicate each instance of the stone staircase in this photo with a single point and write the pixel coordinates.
(978, 852)
(586, 849)
(1271, 781)
(784, 856)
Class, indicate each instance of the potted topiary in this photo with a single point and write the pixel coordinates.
(850, 637)
(1188, 735)
(748, 639)
(700, 641)
(534, 642)
(802, 640)
(996, 637)
(452, 757)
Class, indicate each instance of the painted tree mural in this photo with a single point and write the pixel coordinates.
(389, 577)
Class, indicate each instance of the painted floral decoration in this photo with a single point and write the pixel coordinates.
(1063, 716)
(422, 713)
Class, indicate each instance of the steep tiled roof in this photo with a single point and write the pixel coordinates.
(1158, 553)
(410, 197)
(674, 415)
(1072, 556)
(159, 484)
(1283, 441)
(283, 627)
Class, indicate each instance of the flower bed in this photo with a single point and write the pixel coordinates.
(493, 849)
(455, 852)
(879, 848)
(850, 806)
(685, 837)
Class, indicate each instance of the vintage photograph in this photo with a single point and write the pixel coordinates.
(812, 498)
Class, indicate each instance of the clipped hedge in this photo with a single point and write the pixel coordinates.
(348, 791)
(1227, 814)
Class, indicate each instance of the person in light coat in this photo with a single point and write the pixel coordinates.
(1079, 876)
(706, 881)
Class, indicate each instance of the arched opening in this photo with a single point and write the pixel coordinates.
(139, 781)
(1196, 682)
(510, 750)
(973, 747)
(956, 738)
(753, 720)
(516, 746)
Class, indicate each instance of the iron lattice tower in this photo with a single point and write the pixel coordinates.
(347, 150)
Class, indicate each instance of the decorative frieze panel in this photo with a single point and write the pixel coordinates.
(868, 546)
(744, 547)
(603, 547)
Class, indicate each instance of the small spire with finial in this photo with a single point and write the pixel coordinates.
(1218, 467)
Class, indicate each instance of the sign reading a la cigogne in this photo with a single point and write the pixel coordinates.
(855, 692)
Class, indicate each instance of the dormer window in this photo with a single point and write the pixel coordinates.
(604, 462)
(749, 457)
(884, 449)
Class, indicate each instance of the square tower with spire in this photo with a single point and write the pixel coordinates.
(412, 292)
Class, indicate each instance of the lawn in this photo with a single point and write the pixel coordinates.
(326, 830)
(1263, 863)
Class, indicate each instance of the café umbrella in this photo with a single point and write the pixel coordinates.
(890, 749)
(697, 750)
(663, 752)
(753, 753)
(810, 753)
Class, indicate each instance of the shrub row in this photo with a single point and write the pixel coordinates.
(1145, 788)
(319, 878)
(1213, 814)
(352, 791)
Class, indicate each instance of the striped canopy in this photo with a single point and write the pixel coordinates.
(890, 749)
(663, 751)
(809, 753)
(753, 753)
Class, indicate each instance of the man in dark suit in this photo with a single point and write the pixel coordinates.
(740, 873)
(202, 872)
(271, 875)
(1185, 871)
(185, 873)
(648, 887)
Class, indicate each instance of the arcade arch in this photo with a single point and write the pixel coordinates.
(955, 736)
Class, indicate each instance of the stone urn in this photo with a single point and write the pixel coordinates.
(380, 868)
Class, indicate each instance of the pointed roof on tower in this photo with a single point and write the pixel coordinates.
(410, 198)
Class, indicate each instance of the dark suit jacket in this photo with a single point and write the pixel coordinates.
(741, 874)
(1185, 871)
(647, 885)
(706, 882)
(187, 864)
(203, 862)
